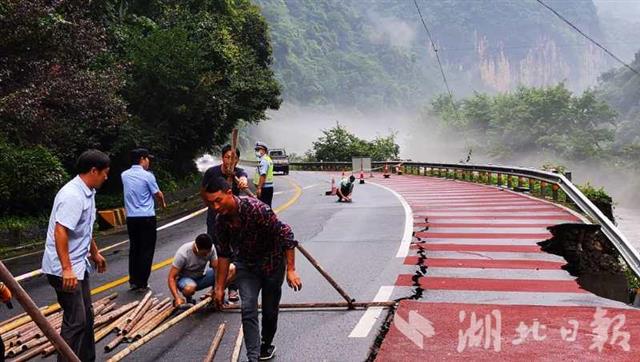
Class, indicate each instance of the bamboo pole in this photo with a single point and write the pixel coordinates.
(34, 352)
(107, 309)
(26, 319)
(109, 297)
(15, 317)
(49, 349)
(8, 343)
(36, 332)
(120, 355)
(148, 304)
(144, 322)
(34, 343)
(114, 343)
(142, 302)
(215, 343)
(235, 355)
(326, 275)
(117, 313)
(155, 322)
(35, 313)
(103, 332)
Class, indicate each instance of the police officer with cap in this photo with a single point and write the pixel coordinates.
(263, 178)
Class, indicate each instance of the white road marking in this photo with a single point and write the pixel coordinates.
(310, 186)
(369, 318)
(407, 237)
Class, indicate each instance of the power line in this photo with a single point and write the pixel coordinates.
(435, 50)
(588, 37)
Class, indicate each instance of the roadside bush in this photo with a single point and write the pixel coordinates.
(600, 198)
(29, 180)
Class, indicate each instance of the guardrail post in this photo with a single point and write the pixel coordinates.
(531, 184)
(509, 181)
(489, 178)
(554, 189)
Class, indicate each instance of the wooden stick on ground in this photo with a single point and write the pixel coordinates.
(141, 312)
(215, 343)
(114, 343)
(141, 304)
(238, 345)
(12, 319)
(34, 352)
(103, 319)
(10, 327)
(155, 322)
(120, 355)
(146, 321)
(326, 275)
(103, 332)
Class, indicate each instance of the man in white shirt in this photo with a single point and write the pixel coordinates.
(68, 248)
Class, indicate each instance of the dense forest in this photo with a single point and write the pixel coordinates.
(172, 76)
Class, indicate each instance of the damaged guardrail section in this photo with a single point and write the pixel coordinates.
(537, 182)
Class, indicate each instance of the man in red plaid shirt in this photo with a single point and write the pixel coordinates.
(264, 248)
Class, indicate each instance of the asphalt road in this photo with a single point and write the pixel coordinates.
(356, 243)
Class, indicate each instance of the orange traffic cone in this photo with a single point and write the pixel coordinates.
(334, 190)
(386, 171)
(361, 177)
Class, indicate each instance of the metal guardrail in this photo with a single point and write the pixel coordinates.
(524, 178)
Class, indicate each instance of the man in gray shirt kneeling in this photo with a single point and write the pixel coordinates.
(187, 273)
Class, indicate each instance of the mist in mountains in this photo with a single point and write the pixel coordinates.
(369, 65)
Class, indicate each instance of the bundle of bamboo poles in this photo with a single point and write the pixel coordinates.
(23, 340)
(147, 315)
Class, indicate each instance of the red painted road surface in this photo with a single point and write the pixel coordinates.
(489, 292)
(475, 332)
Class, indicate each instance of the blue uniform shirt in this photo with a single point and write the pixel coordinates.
(74, 208)
(139, 188)
(263, 169)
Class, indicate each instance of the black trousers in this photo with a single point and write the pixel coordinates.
(250, 283)
(77, 318)
(266, 195)
(142, 245)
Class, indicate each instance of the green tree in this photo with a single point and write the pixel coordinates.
(50, 92)
(195, 70)
(338, 144)
(535, 121)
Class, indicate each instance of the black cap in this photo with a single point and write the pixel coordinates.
(139, 153)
